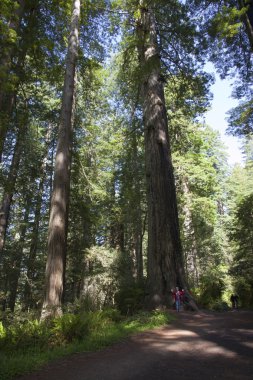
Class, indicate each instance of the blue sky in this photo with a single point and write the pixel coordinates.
(216, 117)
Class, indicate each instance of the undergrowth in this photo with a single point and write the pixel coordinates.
(26, 346)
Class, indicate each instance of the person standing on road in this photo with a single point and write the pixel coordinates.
(236, 298)
(177, 297)
(234, 301)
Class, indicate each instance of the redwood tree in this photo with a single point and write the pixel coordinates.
(165, 264)
(57, 239)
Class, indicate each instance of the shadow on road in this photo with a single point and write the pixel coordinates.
(196, 347)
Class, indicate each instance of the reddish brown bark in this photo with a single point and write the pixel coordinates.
(57, 238)
(165, 262)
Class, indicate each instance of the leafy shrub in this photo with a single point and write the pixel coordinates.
(112, 315)
(211, 291)
(76, 327)
(130, 299)
(244, 289)
(69, 327)
(153, 318)
(100, 328)
(2, 331)
(25, 335)
(159, 318)
(35, 336)
(219, 305)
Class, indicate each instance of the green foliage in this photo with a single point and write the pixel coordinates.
(218, 305)
(143, 320)
(200, 167)
(210, 293)
(68, 328)
(242, 231)
(130, 299)
(2, 331)
(72, 327)
(112, 315)
(32, 334)
(244, 289)
(242, 236)
(226, 23)
(65, 336)
(228, 44)
(18, 317)
(97, 265)
(241, 119)
(239, 227)
(24, 336)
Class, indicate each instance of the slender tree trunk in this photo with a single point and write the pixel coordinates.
(191, 251)
(138, 248)
(140, 253)
(10, 185)
(138, 228)
(165, 262)
(138, 234)
(6, 107)
(57, 239)
(17, 260)
(116, 229)
(28, 298)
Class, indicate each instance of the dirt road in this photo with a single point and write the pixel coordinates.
(197, 346)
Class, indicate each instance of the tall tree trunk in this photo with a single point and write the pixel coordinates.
(165, 267)
(28, 298)
(10, 185)
(57, 239)
(138, 228)
(136, 199)
(17, 257)
(116, 236)
(191, 250)
(6, 106)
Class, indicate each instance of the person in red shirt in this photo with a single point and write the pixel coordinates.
(177, 297)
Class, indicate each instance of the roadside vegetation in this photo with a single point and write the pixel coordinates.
(27, 344)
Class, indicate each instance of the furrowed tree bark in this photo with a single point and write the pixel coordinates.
(165, 268)
(57, 237)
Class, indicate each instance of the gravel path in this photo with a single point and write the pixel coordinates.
(196, 346)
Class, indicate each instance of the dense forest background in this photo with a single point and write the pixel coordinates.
(87, 192)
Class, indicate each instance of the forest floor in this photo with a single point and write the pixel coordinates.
(196, 346)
